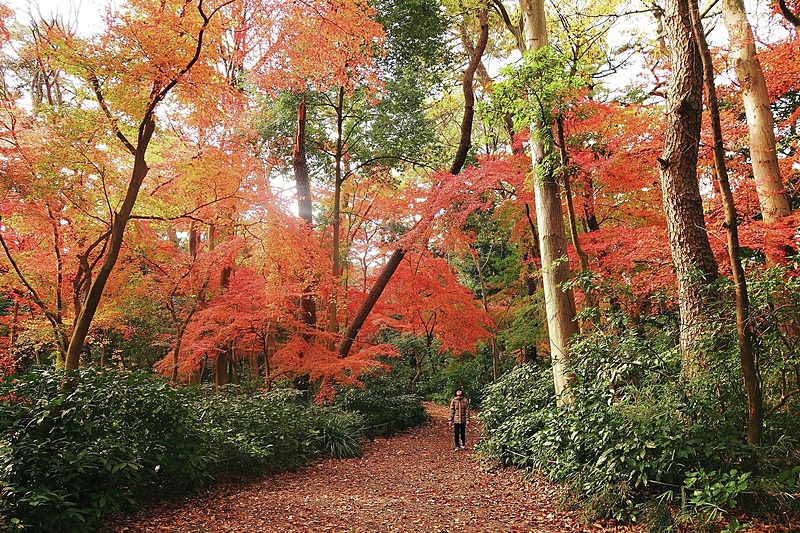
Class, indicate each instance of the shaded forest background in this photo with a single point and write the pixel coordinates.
(308, 216)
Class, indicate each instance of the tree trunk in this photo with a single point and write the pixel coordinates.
(485, 302)
(84, 319)
(192, 239)
(255, 367)
(465, 142)
(589, 214)
(221, 376)
(583, 259)
(763, 155)
(178, 341)
(559, 302)
(308, 306)
(789, 15)
(747, 357)
(372, 298)
(418, 364)
(333, 326)
(694, 263)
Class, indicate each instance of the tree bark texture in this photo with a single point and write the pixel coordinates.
(559, 303)
(694, 263)
(748, 361)
(760, 125)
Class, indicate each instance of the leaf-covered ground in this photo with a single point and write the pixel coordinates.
(413, 482)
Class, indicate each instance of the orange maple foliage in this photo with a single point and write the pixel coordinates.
(425, 298)
(309, 44)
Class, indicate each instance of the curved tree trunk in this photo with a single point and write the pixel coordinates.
(119, 221)
(760, 125)
(465, 142)
(694, 263)
(84, 319)
(458, 162)
(789, 15)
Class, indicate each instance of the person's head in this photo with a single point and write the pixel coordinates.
(459, 393)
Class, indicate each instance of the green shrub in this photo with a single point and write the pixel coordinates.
(636, 430)
(67, 459)
(72, 457)
(338, 432)
(384, 404)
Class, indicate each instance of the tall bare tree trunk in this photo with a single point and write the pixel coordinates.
(308, 306)
(694, 263)
(333, 326)
(748, 361)
(559, 302)
(760, 125)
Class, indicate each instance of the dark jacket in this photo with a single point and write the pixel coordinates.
(459, 410)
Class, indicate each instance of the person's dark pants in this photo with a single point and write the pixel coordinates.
(460, 430)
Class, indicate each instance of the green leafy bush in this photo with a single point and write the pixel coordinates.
(384, 404)
(72, 457)
(635, 430)
(68, 458)
(268, 434)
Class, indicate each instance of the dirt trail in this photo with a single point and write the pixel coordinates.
(412, 482)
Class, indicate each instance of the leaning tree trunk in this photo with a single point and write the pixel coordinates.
(695, 265)
(458, 162)
(760, 125)
(120, 219)
(752, 384)
(559, 302)
(372, 298)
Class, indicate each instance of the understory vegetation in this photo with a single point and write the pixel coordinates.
(119, 438)
(638, 442)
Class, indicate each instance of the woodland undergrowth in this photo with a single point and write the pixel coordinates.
(67, 459)
(640, 443)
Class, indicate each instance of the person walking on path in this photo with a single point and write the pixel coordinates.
(459, 418)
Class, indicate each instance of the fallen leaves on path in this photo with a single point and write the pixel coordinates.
(413, 482)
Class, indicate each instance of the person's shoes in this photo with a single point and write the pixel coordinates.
(457, 448)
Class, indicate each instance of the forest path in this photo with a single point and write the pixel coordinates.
(412, 482)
